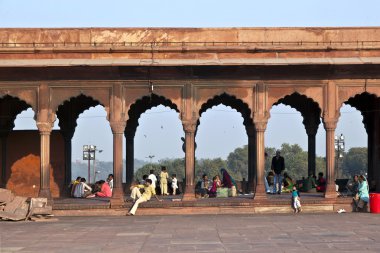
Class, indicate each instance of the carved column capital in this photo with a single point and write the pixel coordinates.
(118, 127)
(261, 126)
(44, 127)
(330, 125)
(189, 126)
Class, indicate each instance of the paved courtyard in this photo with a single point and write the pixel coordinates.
(198, 233)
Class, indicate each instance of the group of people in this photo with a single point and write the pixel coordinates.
(145, 189)
(210, 189)
(103, 189)
(359, 189)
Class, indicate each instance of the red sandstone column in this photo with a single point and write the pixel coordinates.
(129, 171)
(311, 131)
(330, 159)
(118, 135)
(260, 160)
(251, 132)
(189, 128)
(45, 130)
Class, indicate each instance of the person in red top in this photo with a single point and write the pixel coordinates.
(105, 190)
(321, 183)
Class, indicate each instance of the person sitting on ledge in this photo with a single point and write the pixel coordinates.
(308, 184)
(148, 192)
(105, 190)
(321, 183)
(288, 183)
(362, 198)
(216, 183)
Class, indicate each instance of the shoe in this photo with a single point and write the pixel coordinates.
(278, 192)
(341, 211)
(129, 214)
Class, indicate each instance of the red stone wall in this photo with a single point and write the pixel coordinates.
(23, 163)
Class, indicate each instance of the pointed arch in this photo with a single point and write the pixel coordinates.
(228, 100)
(309, 109)
(142, 105)
(69, 111)
(10, 107)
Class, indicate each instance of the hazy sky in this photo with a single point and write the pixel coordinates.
(221, 129)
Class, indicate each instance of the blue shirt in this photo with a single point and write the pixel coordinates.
(294, 193)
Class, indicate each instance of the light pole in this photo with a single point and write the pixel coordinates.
(339, 148)
(89, 154)
(100, 151)
(150, 157)
(96, 172)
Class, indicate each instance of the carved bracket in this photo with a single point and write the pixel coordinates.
(189, 126)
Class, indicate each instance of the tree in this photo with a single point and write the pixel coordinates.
(355, 162)
(237, 163)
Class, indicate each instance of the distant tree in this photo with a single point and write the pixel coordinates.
(355, 161)
(237, 162)
(211, 167)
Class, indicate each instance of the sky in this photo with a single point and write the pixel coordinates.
(221, 129)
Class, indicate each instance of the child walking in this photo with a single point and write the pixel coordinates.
(174, 184)
(164, 181)
(296, 200)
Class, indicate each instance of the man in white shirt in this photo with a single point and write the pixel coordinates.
(153, 178)
(82, 190)
(110, 181)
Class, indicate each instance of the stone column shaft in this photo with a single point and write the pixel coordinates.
(251, 132)
(189, 193)
(330, 159)
(311, 154)
(45, 130)
(260, 193)
(118, 135)
(130, 146)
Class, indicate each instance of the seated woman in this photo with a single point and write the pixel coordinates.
(321, 183)
(309, 184)
(362, 197)
(229, 182)
(216, 183)
(288, 183)
(105, 190)
(269, 182)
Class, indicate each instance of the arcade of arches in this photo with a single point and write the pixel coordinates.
(61, 73)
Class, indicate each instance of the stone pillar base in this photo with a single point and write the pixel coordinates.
(260, 193)
(189, 195)
(117, 199)
(45, 193)
(330, 192)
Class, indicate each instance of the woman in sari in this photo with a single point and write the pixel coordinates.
(288, 183)
(227, 180)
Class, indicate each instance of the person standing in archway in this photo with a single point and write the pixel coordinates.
(278, 166)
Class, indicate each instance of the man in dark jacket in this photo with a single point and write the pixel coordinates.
(278, 166)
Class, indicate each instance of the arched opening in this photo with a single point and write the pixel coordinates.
(20, 148)
(293, 128)
(153, 139)
(222, 142)
(361, 140)
(83, 121)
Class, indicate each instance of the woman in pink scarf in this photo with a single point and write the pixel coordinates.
(105, 190)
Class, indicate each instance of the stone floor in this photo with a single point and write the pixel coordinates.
(350, 232)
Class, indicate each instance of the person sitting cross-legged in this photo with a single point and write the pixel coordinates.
(148, 192)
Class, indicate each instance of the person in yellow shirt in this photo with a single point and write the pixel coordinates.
(164, 181)
(149, 191)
